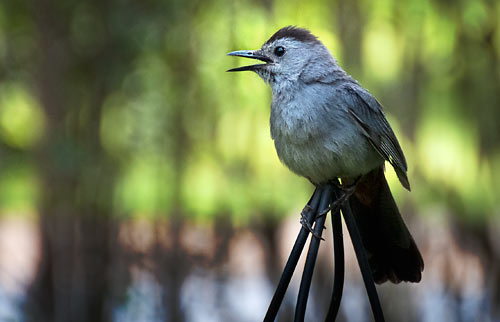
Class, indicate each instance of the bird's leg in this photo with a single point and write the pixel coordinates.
(310, 209)
(346, 190)
(303, 218)
(306, 224)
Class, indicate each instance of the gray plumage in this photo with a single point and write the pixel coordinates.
(326, 126)
(323, 123)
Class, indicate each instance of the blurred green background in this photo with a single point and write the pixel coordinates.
(139, 182)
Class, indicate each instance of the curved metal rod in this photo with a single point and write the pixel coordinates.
(363, 262)
(338, 273)
(305, 283)
(315, 211)
(291, 263)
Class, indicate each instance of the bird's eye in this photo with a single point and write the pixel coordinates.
(279, 51)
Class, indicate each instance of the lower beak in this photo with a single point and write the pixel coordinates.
(255, 54)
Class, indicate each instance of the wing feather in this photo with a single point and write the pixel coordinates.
(368, 114)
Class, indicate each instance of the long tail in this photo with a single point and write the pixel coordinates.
(392, 252)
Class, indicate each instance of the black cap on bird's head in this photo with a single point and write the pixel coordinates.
(293, 32)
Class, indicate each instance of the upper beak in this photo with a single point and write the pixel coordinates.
(255, 54)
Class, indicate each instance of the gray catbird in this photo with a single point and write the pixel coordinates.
(326, 126)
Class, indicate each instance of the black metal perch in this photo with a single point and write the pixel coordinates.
(325, 198)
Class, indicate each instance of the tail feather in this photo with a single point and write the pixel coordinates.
(392, 252)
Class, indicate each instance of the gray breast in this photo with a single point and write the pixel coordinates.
(315, 137)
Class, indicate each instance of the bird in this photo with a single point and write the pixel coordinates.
(325, 127)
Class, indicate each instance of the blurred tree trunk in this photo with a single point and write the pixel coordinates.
(479, 100)
(174, 264)
(71, 281)
(350, 24)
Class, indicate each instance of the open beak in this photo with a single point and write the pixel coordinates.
(255, 54)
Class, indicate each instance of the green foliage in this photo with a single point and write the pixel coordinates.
(19, 187)
(183, 134)
(22, 120)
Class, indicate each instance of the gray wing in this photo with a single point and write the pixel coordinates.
(368, 114)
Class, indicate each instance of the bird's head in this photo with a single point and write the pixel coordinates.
(286, 55)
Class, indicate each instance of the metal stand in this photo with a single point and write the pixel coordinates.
(315, 214)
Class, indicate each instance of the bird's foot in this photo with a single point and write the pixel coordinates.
(305, 223)
(345, 192)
